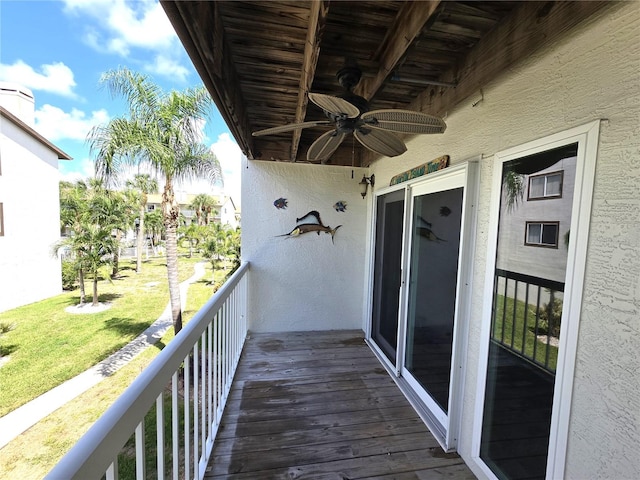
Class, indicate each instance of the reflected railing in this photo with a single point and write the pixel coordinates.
(165, 423)
(526, 317)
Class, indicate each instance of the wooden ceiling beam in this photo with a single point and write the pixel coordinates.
(317, 18)
(408, 24)
(530, 27)
(527, 29)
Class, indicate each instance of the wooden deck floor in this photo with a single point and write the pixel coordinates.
(318, 405)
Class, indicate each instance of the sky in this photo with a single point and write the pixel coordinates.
(60, 48)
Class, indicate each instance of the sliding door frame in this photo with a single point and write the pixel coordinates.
(466, 173)
(586, 136)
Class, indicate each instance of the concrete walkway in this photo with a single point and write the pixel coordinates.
(24, 417)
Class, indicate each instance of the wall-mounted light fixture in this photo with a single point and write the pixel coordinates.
(365, 182)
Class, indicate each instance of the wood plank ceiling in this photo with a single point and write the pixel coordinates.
(260, 59)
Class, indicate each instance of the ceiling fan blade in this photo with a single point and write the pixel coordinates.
(334, 105)
(404, 121)
(325, 145)
(289, 127)
(380, 141)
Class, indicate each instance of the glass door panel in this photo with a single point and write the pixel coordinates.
(387, 272)
(435, 242)
(528, 295)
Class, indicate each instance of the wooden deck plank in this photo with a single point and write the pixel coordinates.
(319, 405)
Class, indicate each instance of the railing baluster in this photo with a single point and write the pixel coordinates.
(535, 343)
(513, 315)
(526, 314)
(175, 442)
(210, 382)
(112, 471)
(196, 421)
(504, 308)
(140, 450)
(203, 400)
(187, 419)
(160, 436)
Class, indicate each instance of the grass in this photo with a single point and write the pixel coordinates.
(33, 454)
(48, 339)
(533, 348)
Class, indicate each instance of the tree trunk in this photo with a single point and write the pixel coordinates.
(171, 214)
(95, 289)
(83, 295)
(116, 255)
(139, 241)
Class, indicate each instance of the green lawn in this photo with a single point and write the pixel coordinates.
(48, 345)
(32, 454)
(531, 343)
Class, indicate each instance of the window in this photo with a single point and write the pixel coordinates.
(1, 222)
(542, 234)
(151, 208)
(548, 185)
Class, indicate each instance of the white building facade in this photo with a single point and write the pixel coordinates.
(29, 204)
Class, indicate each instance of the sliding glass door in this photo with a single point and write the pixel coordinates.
(537, 247)
(418, 311)
(433, 279)
(387, 272)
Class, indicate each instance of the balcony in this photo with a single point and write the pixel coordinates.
(220, 402)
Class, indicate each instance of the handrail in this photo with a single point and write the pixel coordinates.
(215, 335)
(516, 325)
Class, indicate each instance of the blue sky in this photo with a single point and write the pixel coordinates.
(60, 48)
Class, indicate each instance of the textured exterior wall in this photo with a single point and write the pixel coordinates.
(29, 192)
(595, 74)
(305, 282)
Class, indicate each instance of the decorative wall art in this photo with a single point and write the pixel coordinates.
(432, 166)
(280, 203)
(312, 224)
(340, 206)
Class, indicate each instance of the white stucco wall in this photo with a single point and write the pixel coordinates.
(305, 282)
(595, 74)
(29, 192)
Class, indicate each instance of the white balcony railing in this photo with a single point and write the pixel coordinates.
(194, 371)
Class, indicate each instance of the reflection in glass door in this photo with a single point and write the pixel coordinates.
(387, 272)
(528, 295)
(433, 278)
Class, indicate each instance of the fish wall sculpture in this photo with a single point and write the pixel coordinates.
(310, 226)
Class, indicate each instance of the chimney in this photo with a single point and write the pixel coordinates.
(19, 101)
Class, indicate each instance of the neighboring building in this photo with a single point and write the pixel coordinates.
(224, 207)
(29, 204)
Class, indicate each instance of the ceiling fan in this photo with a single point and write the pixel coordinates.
(349, 114)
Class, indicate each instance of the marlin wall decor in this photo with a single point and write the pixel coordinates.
(310, 226)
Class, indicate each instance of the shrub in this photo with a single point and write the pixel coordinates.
(550, 316)
(69, 275)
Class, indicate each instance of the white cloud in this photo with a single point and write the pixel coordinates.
(229, 155)
(168, 67)
(54, 78)
(82, 169)
(120, 25)
(56, 124)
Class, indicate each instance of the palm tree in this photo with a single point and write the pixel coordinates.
(191, 235)
(154, 225)
(90, 213)
(144, 185)
(162, 133)
(202, 205)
